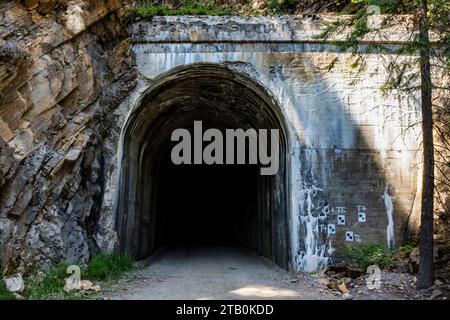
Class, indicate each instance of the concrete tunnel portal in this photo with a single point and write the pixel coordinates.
(164, 205)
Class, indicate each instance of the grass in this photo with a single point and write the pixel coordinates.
(108, 266)
(50, 284)
(4, 293)
(189, 7)
(370, 254)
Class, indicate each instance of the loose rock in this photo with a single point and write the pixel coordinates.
(347, 296)
(435, 294)
(15, 283)
(324, 282)
(86, 285)
(437, 282)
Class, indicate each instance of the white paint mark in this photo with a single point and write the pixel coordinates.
(313, 254)
(349, 236)
(330, 248)
(361, 217)
(361, 214)
(390, 217)
(296, 180)
(340, 210)
(331, 229)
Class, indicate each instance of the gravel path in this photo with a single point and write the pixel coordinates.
(213, 273)
(236, 273)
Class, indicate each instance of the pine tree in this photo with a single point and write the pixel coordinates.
(430, 16)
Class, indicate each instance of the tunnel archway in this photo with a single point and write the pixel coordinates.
(161, 204)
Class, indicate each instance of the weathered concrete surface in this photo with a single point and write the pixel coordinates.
(222, 98)
(353, 151)
(64, 64)
(67, 66)
(257, 29)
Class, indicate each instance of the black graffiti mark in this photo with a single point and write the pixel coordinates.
(276, 72)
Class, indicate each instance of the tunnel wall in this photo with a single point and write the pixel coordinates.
(225, 98)
(353, 150)
(67, 86)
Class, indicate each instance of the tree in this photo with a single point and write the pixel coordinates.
(425, 276)
(430, 15)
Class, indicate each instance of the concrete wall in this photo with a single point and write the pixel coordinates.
(353, 150)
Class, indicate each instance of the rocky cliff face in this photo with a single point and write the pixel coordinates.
(64, 66)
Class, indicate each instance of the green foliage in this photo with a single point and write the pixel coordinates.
(49, 285)
(108, 266)
(280, 6)
(370, 254)
(401, 76)
(405, 250)
(4, 293)
(188, 7)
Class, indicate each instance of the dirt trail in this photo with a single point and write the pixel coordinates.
(214, 273)
(236, 273)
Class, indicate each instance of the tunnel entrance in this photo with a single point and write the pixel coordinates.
(163, 204)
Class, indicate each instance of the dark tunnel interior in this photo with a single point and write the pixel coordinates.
(206, 205)
(162, 204)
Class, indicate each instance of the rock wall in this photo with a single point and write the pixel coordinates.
(64, 66)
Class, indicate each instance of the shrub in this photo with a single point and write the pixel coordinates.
(370, 254)
(189, 7)
(404, 251)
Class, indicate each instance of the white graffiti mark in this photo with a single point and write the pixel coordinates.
(388, 202)
(340, 210)
(325, 211)
(330, 248)
(341, 220)
(313, 214)
(361, 208)
(349, 236)
(361, 214)
(362, 217)
(331, 229)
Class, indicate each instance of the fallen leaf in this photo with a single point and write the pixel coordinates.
(343, 288)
